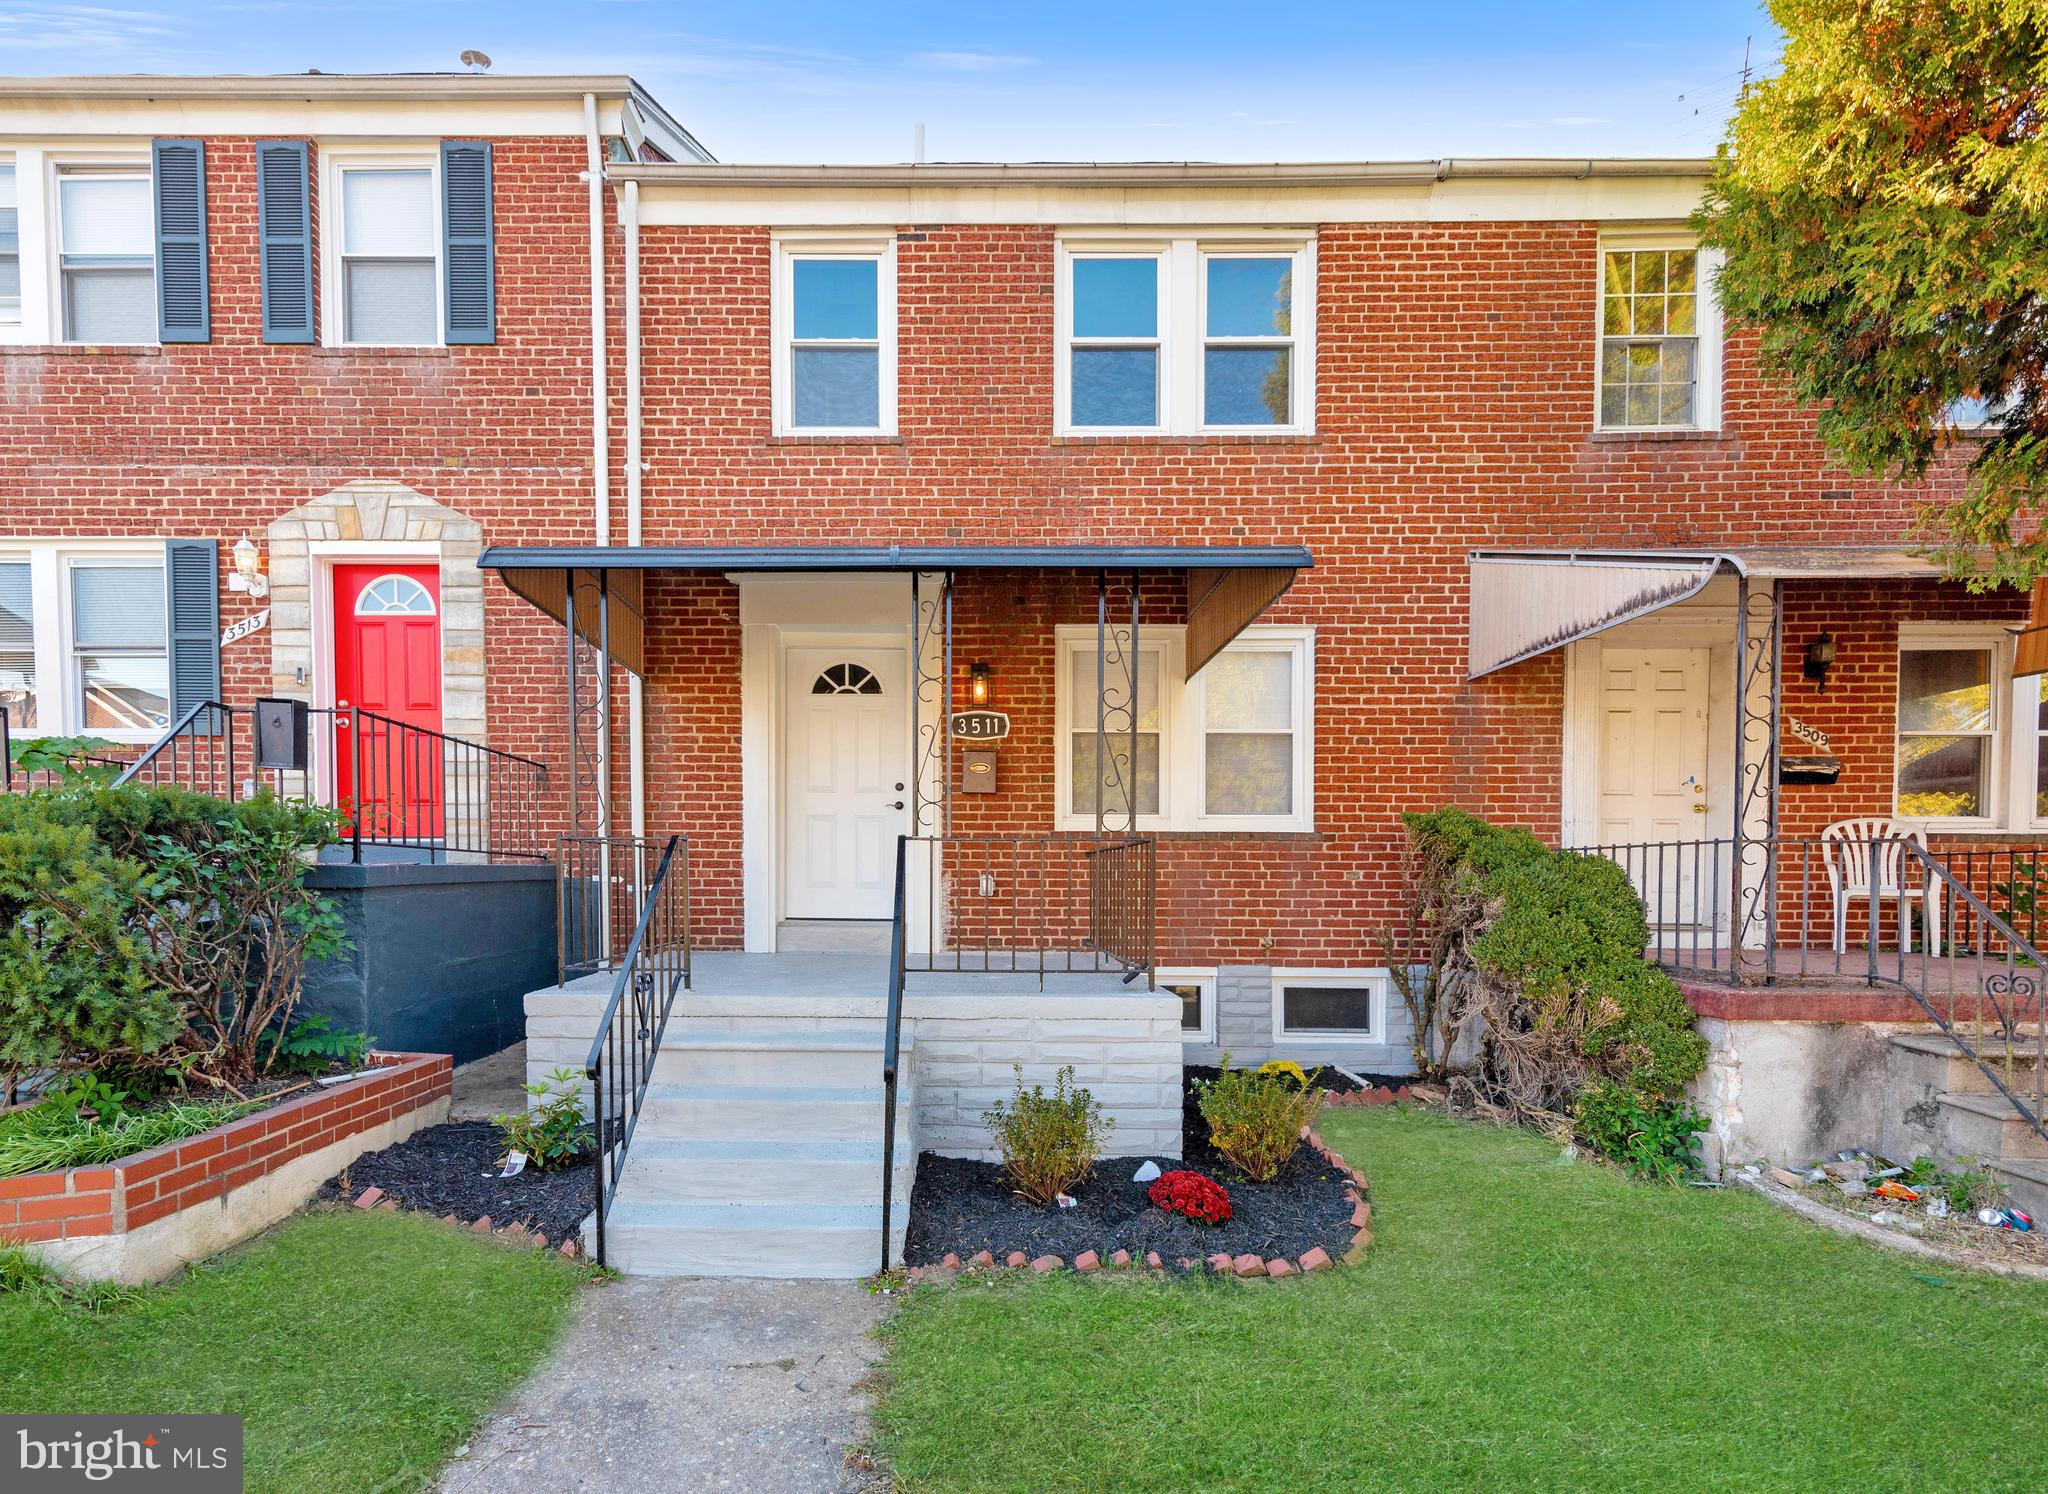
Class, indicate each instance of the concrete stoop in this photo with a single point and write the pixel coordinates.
(1941, 1104)
(759, 1153)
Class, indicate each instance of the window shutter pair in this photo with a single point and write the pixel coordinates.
(468, 250)
(192, 607)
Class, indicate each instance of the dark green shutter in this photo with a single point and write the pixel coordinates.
(469, 250)
(284, 216)
(192, 600)
(178, 170)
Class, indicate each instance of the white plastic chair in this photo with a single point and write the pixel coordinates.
(1845, 851)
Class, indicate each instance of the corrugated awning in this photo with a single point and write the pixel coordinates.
(1528, 602)
(1228, 586)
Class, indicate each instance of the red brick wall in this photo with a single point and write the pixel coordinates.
(141, 1189)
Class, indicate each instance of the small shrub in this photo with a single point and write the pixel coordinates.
(1653, 1139)
(1255, 1119)
(50, 1135)
(315, 1046)
(1967, 1188)
(550, 1133)
(1049, 1142)
(68, 759)
(89, 1098)
(1201, 1199)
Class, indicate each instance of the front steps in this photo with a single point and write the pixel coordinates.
(759, 1153)
(1951, 1111)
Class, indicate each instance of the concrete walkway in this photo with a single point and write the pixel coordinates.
(688, 1383)
(489, 1086)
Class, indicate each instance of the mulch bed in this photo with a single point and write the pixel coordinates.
(960, 1207)
(453, 1169)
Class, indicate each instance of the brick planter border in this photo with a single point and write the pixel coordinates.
(1246, 1266)
(140, 1218)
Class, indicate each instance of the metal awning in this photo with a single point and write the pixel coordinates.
(1528, 602)
(1228, 586)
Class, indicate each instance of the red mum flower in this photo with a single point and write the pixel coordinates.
(1182, 1192)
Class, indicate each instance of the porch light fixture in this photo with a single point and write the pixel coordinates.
(248, 574)
(1820, 658)
(978, 690)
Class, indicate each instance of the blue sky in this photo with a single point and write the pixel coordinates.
(802, 80)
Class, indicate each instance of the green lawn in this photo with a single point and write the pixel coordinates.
(1520, 1323)
(360, 1348)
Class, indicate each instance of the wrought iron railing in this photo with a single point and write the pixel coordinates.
(1884, 910)
(654, 965)
(601, 884)
(1033, 905)
(395, 785)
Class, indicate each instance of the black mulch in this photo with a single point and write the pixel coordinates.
(1330, 1079)
(453, 1169)
(963, 1206)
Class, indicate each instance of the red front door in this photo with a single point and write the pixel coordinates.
(387, 673)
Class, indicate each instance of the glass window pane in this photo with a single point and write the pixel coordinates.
(1644, 404)
(1246, 386)
(393, 301)
(17, 646)
(1681, 316)
(1621, 279)
(1115, 386)
(1325, 1009)
(1116, 298)
(1682, 271)
(387, 213)
(1614, 319)
(837, 387)
(1190, 994)
(1081, 684)
(1250, 297)
(1675, 405)
(1248, 773)
(1649, 313)
(10, 244)
(2041, 778)
(106, 215)
(1945, 690)
(836, 299)
(117, 606)
(1247, 689)
(1614, 405)
(1114, 784)
(110, 305)
(1942, 776)
(125, 692)
(1650, 272)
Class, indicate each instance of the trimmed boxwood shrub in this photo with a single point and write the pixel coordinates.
(1547, 951)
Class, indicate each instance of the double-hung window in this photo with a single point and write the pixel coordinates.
(1660, 338)
(1184, 337)
(389, 272)
(106, 254)
(118, 640)
(10, 246)
(834, 313)
(1231, 749)
(1948, 725)
(18, 644)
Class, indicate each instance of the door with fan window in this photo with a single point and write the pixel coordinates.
(387, 695)
(846, 743)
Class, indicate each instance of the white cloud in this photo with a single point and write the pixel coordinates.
(970, 62)
(52, 28)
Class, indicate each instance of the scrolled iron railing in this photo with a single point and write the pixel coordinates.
(654, 965)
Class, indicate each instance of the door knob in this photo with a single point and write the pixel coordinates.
(1699, 809)
(897, 805)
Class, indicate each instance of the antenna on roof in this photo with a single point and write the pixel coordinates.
(476, 61)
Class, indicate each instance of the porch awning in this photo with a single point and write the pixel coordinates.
(1528, 602)
(1228, 586)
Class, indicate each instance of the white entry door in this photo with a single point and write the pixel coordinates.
(1653, 778)
(845, 781)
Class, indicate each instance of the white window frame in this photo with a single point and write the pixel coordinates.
(1182, 324)
(1182, 749)
(333, 275)
(12, 318)
(1377, 981)
(1708, 329)
(789, 248)
(59, 680)
(112, 164)
(2003, 806)
(1205, 978)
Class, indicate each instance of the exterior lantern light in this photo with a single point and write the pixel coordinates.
(1820, 658)
(248, 574)
(978, 689)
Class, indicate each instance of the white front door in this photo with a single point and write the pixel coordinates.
(1653, 777)
(846, 776)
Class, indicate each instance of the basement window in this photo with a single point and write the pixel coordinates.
(1330, 1006)
(1197, 992)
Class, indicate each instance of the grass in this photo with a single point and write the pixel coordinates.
(360, 1348)
(48, 1137)
(1520, 1323)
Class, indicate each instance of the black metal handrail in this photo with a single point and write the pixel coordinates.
(655, 965)
(892, 1039)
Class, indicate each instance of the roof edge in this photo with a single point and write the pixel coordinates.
(1157, 173)
(895, 557)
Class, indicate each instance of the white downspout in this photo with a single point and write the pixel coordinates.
(636, 698)
(600, 442)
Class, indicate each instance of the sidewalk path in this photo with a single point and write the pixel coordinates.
(688, 1383)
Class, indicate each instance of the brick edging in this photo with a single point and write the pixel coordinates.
(505, 1234)
(1247, 1266)
(116, 1198)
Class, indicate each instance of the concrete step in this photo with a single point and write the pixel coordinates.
(2026, 1185)
(770, 1112)
(833, 935)
(792, 1057)
(784, 1240)
(1987, 1128)
(744, 1171)
(1933, 1059)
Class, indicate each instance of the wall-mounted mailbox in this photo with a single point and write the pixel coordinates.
(1808, 769)
(978, 771)
(281, 734)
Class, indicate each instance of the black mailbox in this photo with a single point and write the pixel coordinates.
(281, 734)
(1808, 768)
